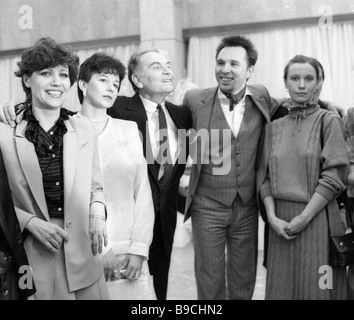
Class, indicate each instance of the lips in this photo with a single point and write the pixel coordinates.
(108, 97)
(226, 79)
(54, 93)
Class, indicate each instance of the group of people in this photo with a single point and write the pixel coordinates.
(91, 198)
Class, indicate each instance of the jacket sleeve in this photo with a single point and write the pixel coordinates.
(144, 214)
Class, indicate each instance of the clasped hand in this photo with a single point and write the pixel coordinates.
(289, 230)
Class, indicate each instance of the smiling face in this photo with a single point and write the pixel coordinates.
(49, 87)
(232, 70)
(301, 82)
(154, 76)
(101, 90)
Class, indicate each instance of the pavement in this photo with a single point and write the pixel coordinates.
(182, 284)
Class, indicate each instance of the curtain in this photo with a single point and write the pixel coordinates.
(333, 47)
(11, 88)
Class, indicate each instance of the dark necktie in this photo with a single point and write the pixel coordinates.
(164, 157)
(235, 99)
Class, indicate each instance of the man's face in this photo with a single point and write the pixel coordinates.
(231, 70)
(154, 75)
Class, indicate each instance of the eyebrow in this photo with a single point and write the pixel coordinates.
(159, 63)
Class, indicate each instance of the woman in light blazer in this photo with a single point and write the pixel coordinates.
(125, 178)
(55, 179)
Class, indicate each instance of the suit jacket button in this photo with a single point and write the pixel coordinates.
(68, 224)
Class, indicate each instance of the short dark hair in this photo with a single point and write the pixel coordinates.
(239, 41)
(134, 63)
(301, 59)
(320, 67)
(46, 53)
(100, 63)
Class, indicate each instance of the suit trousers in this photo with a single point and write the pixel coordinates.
(159, 262)
(60, 291)
(225, 243)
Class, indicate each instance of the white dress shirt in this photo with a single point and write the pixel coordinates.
(153, 125)
(234, 117)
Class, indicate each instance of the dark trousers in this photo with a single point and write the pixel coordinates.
(159, 262)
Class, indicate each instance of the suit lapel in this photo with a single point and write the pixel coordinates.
(204, 112)
(135, 111)
(30, 166)
(71, 147)
(260, 102)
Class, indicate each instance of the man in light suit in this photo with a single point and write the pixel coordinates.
(151, 76)
(222, 198)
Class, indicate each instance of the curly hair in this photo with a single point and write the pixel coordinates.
(46, 53)
(100, 63)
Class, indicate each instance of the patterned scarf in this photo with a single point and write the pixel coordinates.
(33, 132)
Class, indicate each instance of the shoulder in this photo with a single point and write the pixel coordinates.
(121, 100)
(6, 131)
(349, 117)
(83, 126)
(125, 125)
(258, 88)
(80, 122)
(198, 93)
(178, 109)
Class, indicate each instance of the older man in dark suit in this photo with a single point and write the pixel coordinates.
(151, 76)
(222, 194)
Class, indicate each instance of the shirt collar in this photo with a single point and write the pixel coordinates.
(149, 105)
(224, 99)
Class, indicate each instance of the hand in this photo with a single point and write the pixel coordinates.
(97, 227)
(296, 225)
(133, 268)
(48, 234)
(280, 227)
(111, 266)
(335, 108)
(8, 115)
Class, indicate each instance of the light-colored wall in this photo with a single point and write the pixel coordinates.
(66, 21)
(209, 13)
(88, 20)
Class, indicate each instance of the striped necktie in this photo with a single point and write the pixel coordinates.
(164, 158)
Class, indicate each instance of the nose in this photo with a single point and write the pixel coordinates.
(167, 70)
(226, 68)
(55, 80)
(302, 83)
(110, 87)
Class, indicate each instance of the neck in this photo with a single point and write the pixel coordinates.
(46, 117)
(92, 113)
(156, 98)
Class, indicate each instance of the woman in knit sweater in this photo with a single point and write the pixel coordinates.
(307, 165)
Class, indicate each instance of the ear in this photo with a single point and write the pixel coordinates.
(286, 84)
(82, 85)
(137, 81)
(26, 80)
(249, 72)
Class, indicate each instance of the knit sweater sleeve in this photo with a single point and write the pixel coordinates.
(349, 128)
(334, 158)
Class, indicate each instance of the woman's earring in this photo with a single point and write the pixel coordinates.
(84, 93)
